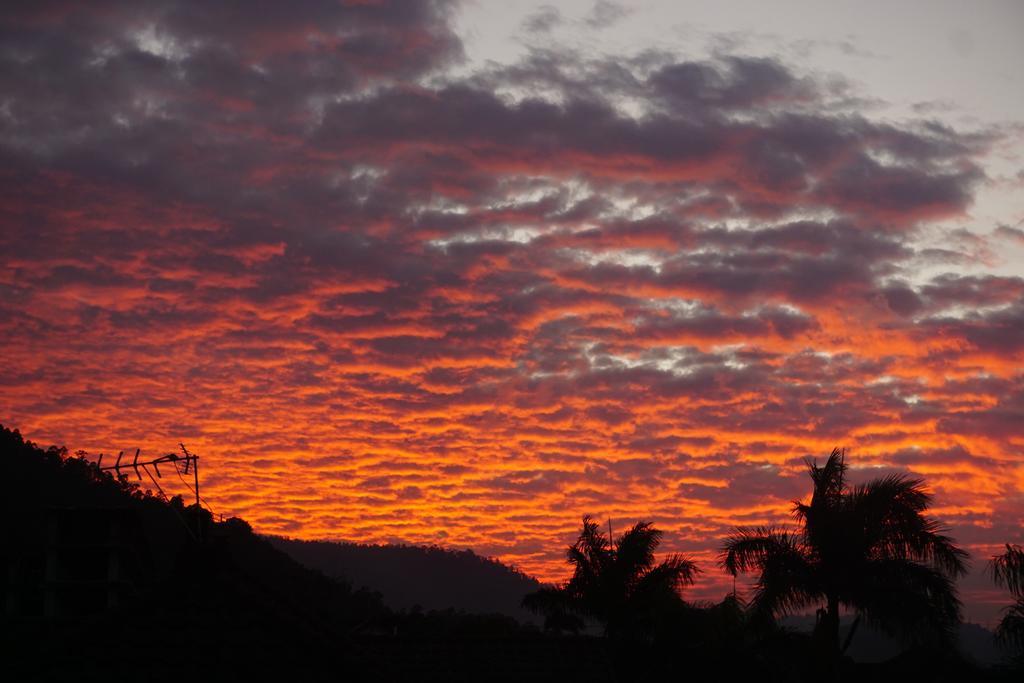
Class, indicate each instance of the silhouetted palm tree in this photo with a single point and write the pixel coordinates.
(616, 583)
(866, 548)
(1008, 572)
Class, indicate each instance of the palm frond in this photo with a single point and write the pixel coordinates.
(675, 571)
(943, 553)
(907, 598)
(1010, 630)
(592, 543)
(878, 497)
(789, 582)
(821, 517)
(747, 549)
(801, 510)
(829, 479)
(1008, 570)
(888, 514)
(634, 550)
(661, 588)
(590, 556)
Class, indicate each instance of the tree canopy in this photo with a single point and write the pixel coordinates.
(867, 548)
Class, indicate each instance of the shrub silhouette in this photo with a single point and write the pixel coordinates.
(866, 548)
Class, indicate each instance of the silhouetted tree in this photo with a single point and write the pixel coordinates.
(866, 548)
(1008, 571)
(615, 582)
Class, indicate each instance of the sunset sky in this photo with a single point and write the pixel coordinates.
(459, 273)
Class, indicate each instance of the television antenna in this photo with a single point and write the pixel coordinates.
(187, 459)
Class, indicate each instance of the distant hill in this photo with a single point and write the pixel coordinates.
(407, 575)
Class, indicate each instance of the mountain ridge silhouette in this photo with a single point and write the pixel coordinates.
(430, 577)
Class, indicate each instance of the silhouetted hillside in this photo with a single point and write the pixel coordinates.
(431, 577)
(91, 561)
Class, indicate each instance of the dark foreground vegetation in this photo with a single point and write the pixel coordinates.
(107, 582)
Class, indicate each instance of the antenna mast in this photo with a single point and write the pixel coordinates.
(190, 460)
(194, 459)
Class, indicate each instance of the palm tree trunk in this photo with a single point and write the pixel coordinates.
(832, 626)
(826, 629)
(826, 633)
(849, 636)
(832, 638)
